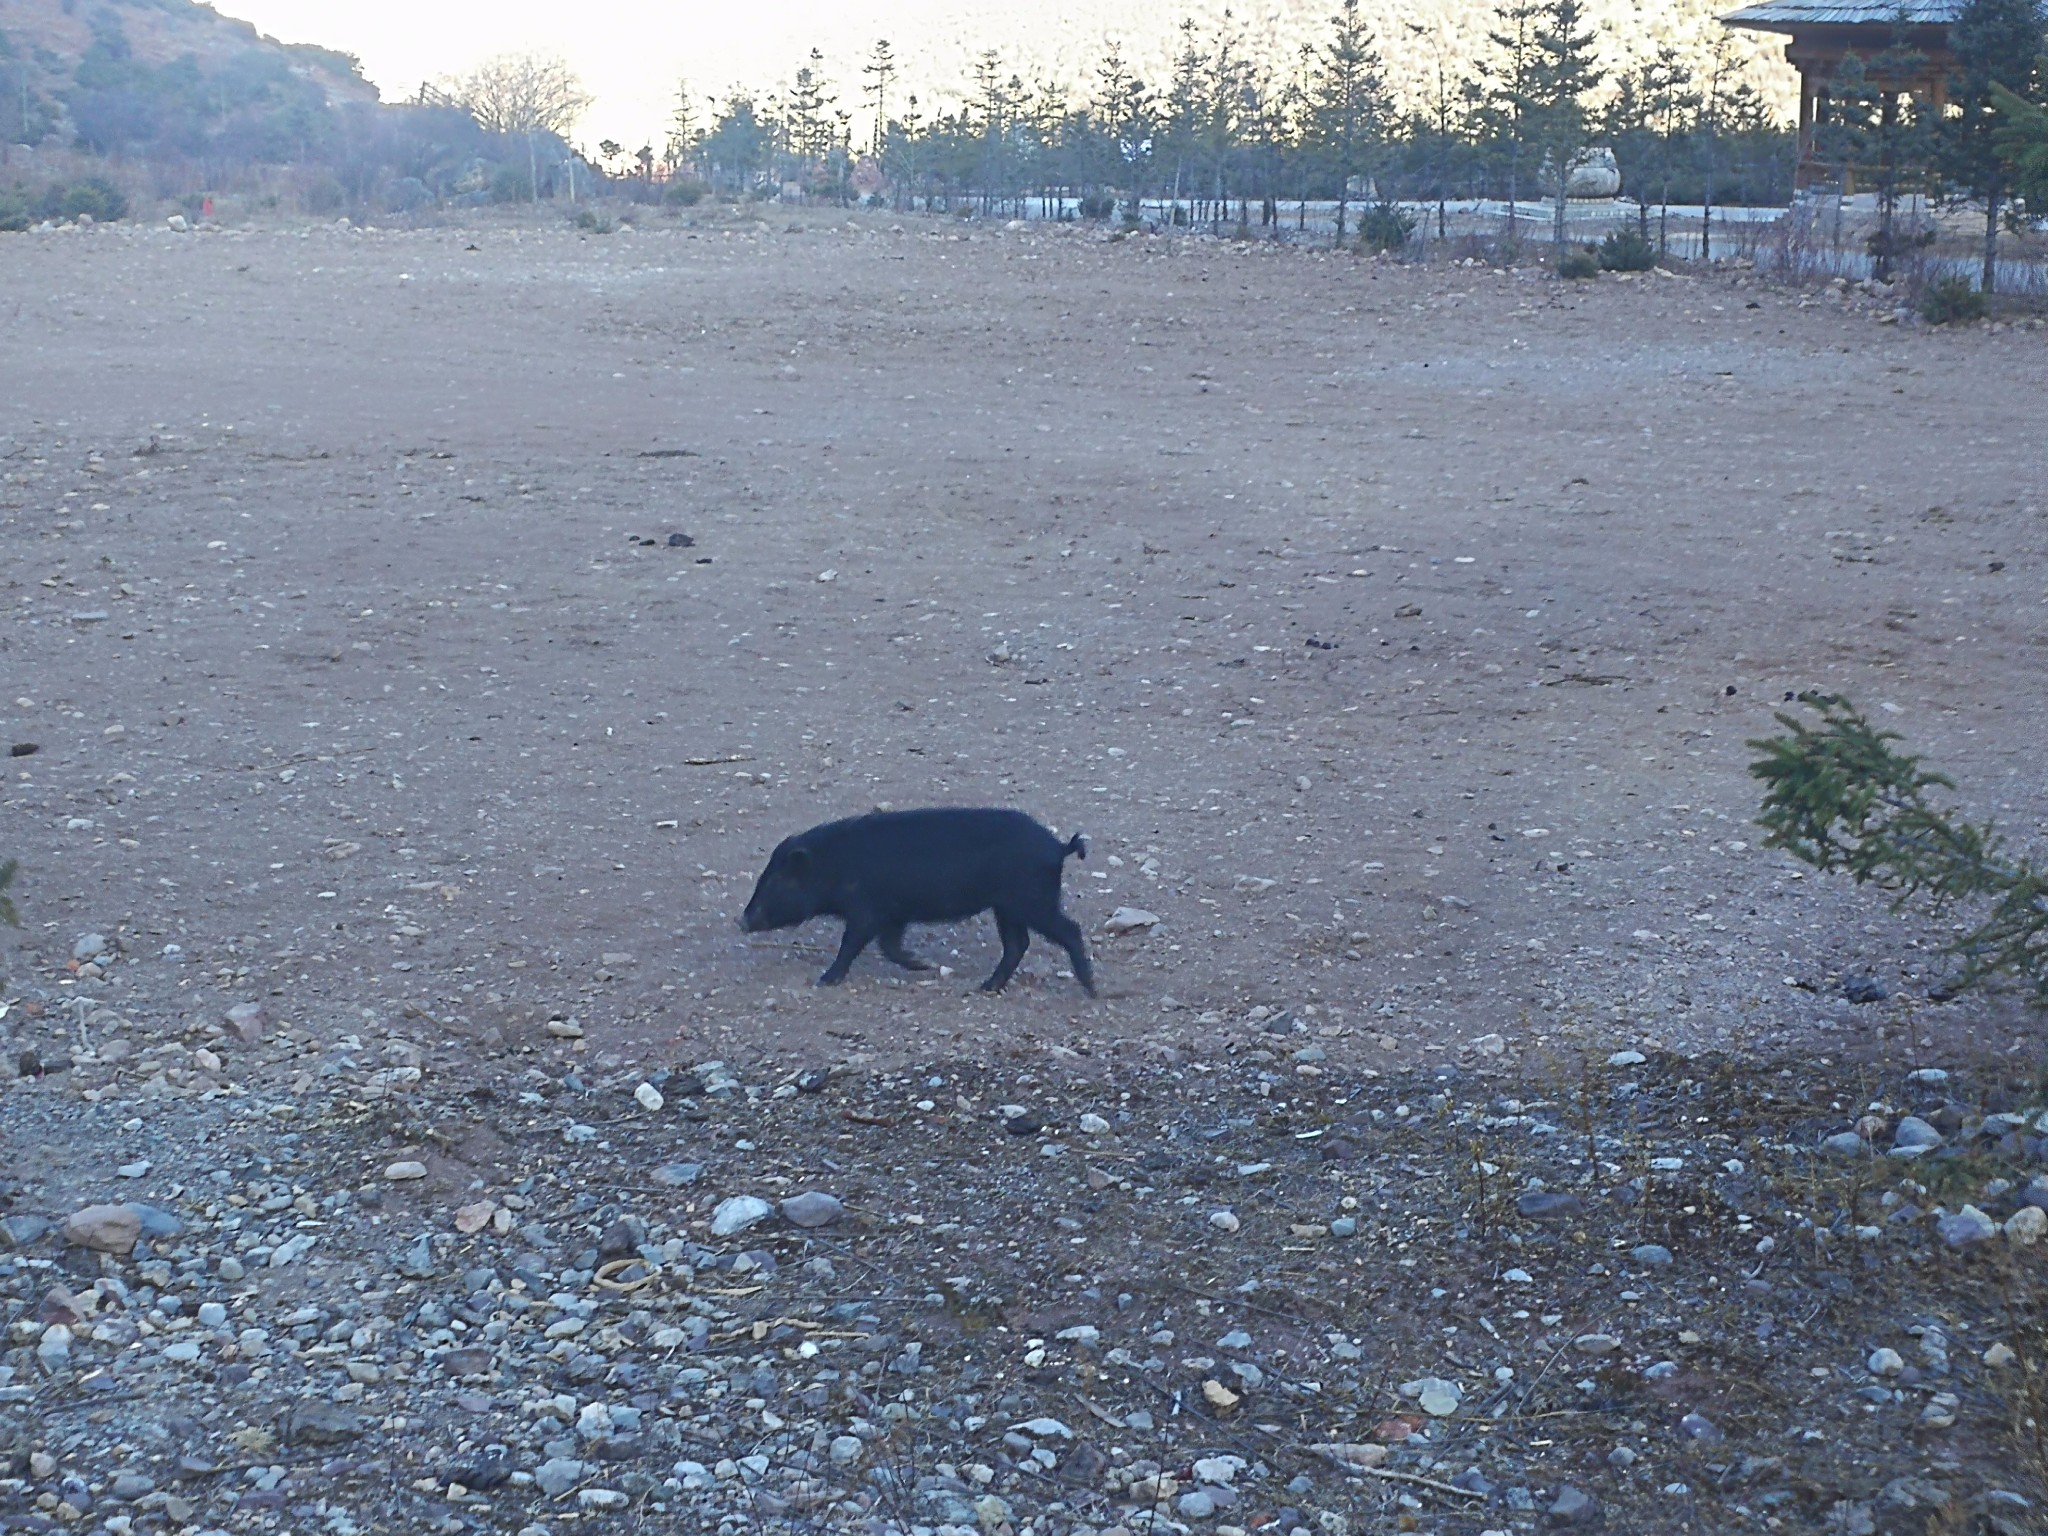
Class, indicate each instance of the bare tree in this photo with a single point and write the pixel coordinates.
(523, 93)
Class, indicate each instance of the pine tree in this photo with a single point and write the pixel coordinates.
(1501, 104)
(1349, 102)
(1563, 73)
(1874, 131)
(881, 72)
(1996, 43)
(2022, 141)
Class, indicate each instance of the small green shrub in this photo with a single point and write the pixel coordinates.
(1097, 205)
(511, 184)
(1579, 264)
(593, 223)
(14, 214)
(1951, 299)
(1383, 227)
(92, 197)
(1627, 249)
(8, 915)
(685, 192)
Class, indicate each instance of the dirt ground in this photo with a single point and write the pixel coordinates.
(1393, 634)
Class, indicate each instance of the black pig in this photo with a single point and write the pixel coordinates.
(885, 870)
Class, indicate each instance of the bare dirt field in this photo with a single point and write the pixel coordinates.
(1394, 635)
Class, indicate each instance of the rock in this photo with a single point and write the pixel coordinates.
(104, 1228)
(1344, 1226)
(1548, 1205)
(648, 1097)
(20, 1231)
(155, 1223)
(1218, 1471)
(1130, 920)
(677, 1175)
(1915, 1133)
(1701, 1429)
(89, 947)
(1651, 1255)
(1438, 1398)
(230, 1269)
(212, 1314)
(1573, 1507)
(1350, 1455)
(1596, 1343)
(1218, 1395)
(130, 1486)
(177, 224)
(1198, 1505)
(1846, 1144)
(1966, 1228)
(1087, 1335)
(2000, 1354)
(1885, 1362)
(1022, 1122)
(54, 1348)
(622, 1238)
(1928, 1077)
(812, 1208)
(739, 1212)
(1864, 989)
(2024, 1228)
(471, 1219)
(1094, 1125)
(846, 1450)
(247, 1021)
(557, 1475)
(404, 1170)
(1627, 1059)
(1224, 1221)
(1045, 1429)
(312, 1422)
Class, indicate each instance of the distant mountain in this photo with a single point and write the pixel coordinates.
(161, 75)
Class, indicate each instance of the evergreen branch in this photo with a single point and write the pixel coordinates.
(8, 915)
(1839, 797)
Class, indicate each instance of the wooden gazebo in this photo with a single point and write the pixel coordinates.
(1820, 33)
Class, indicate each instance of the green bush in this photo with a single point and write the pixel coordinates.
(511, 184)
(93, 197)
(1383, 227)
(685, 192)
(8, 915)
(14, 214)
(1579, 263)
(1950, 299)
(1097, 205)
(593, 223)
(1627, 249)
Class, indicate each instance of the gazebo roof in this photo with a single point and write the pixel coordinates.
(1784, 15)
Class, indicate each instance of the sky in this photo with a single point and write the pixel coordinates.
(632, 54)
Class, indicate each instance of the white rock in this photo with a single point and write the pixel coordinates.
(1045, 1429)
(1094, 1125)
(1490, 1045)
(1224, 1221)
(405, 1169)
(2026, 1226)
(738, 1213)
(1439, 1398)
(1130, 920)
(648, 1097)
(1885, 1362)
(1627, 1059)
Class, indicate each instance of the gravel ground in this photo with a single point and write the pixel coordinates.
(423, 636)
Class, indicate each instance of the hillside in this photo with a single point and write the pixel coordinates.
(163, 74)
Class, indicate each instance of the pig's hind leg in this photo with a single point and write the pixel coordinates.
(893, 950)
(1016, 937)
(1066, 933)
(851, 943)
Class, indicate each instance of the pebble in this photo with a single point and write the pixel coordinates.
(739, 1212)
(1574, 1507)
(812, 1208)
(247, 1021)
(677, 1175)
(1700, 1428)
(2026, 1226)
(2000, 1354)
(1913, 1132)
(1046, 1429)
(1966, 1228)
(1094, 1125)
(1438, 1398)
(104, 1228)
(1130, 920)
(558, 1475)
(1344, 1226)
(1596, 1343)
(1198, 1505)
(846, 1450)
(648, 1097)
(1885, 1362)
(1627, 1059)
(1548, 1205)
(89, 947)
(1224, 1221)
(20, 1231)
(1846, 1144)
(405, 1169)
(1651, 1255)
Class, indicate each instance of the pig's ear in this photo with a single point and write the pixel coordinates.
(797, 860)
